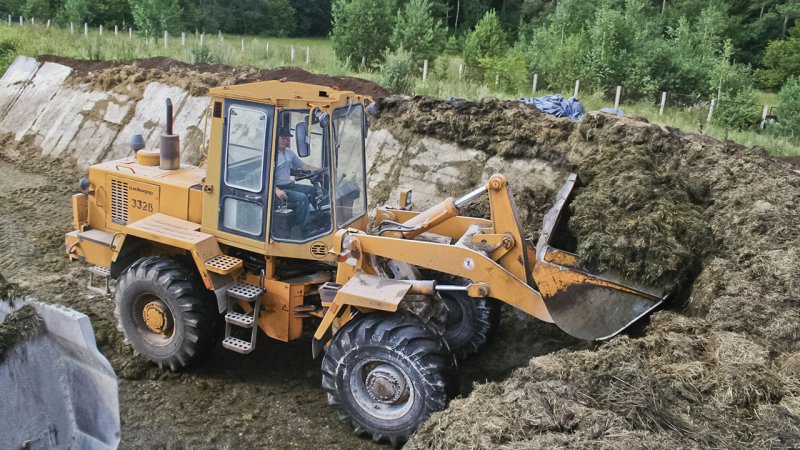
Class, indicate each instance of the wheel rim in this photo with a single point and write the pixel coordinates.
(154, 321)
(382, 390)
(455, 311)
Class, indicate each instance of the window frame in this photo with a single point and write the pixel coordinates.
(335, 158)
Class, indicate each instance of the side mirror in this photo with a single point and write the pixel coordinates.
(302, 140)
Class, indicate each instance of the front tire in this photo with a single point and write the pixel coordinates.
(165, 312)
(469, 322)
(386, 374)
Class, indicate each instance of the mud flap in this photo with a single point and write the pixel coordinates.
(586, 305)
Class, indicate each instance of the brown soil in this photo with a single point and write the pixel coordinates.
(196, 79)
(719, 367)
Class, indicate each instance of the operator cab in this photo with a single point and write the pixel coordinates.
(292, 165)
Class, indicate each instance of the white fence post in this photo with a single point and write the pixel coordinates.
(130, 33)
(616, 97)
(33, 20)
(85, 30)
(202, 36)
(242, 44)
(363, 60)
(460, 71)
(663, 103)
(308, 54)
(9, 20)
(166, 39)
(711, 110)
(291, 55)
(535, 82)
(116, 30)
(497, 79)
(577, 88)
(424, 70)
(48, 24)
(220, 35)
(183, 39)
(71, 28)
(101, 31)
(20, 20)
(764, 113)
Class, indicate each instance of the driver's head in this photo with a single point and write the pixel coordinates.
(284, 138)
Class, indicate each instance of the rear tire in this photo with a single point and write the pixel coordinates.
(469, 322)
(386, 374)
(165, 312)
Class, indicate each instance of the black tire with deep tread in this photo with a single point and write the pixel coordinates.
(197, 322)
(469, 322)
(403, 341)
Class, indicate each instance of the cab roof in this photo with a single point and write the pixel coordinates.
(286, 93)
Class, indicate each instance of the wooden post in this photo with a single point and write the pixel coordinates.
(577, 88)
(616, 97)
(663, 103)
(85, 30)
(166, 39)
(308, 54)
(424, 70)
(183, 39)
(535, 82)
(764, 113)
(711, 110)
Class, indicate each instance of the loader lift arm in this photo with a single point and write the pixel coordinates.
(546, 283)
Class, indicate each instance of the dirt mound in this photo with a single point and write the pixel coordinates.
(720, 368)
(18, 326)
(122, 76)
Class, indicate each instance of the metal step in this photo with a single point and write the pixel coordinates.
(223, 264)
(102, 272)
(239, 319)
(245, 291)
(237, 345)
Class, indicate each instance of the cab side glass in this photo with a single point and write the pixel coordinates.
(301, 136)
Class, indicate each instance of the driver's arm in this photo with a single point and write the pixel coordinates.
(297, 163)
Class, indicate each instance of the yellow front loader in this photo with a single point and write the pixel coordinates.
(271, 232)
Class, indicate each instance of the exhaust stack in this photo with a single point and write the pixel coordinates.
(170, 145)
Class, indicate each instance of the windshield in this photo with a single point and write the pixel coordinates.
(301, 193)
(349, 173)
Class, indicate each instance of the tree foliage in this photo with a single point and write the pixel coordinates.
(488, 40)
(157, 16)
(781, 60)
(417, 31)
(789, 107)
(362, 28)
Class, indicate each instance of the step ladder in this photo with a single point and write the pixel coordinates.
(238, 293)
(101, 272)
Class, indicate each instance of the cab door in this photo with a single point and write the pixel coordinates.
(246, 149)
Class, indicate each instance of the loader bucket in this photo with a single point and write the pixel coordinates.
(58, 391)
(586, 305)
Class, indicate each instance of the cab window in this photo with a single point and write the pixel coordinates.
(350, 176)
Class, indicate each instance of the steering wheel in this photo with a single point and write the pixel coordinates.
(311, 175)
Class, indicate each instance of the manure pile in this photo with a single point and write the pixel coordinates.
(719, 222)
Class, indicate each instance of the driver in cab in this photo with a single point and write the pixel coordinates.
(294, 194)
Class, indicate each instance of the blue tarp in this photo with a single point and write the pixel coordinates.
(556, 105)
(617, 111)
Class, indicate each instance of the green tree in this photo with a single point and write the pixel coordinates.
(313, 18)
(79, 11)
(789, 107)
(781, 60)
(488, 40)
(362, 28)
(398, 71)
(417, 31)
(43, 9)
(157, 16)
